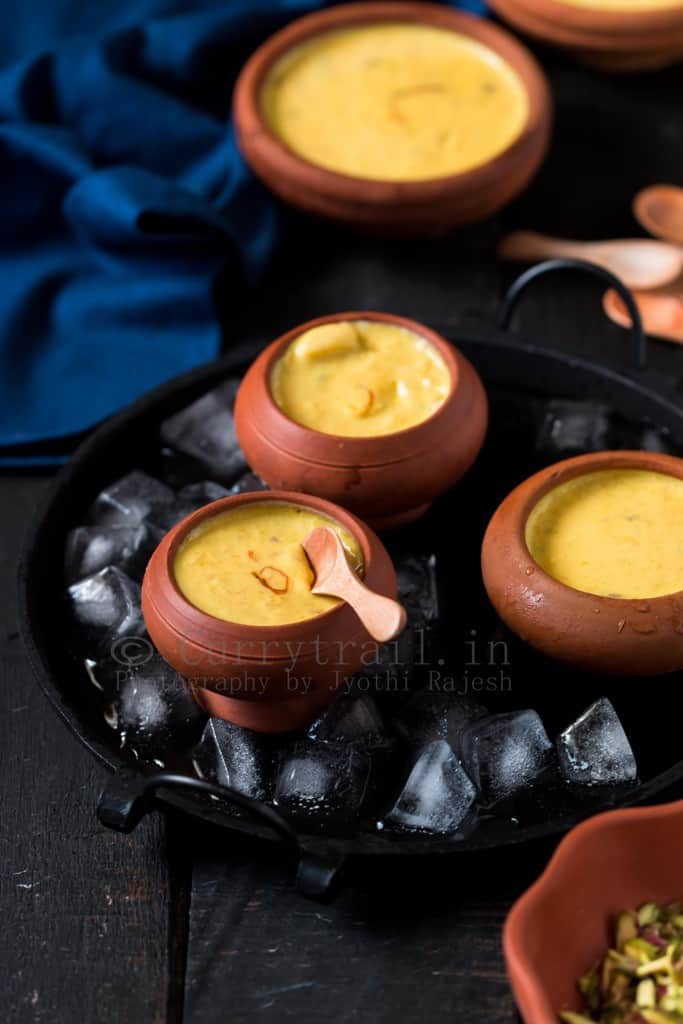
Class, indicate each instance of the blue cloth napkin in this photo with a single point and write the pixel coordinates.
(124, 195)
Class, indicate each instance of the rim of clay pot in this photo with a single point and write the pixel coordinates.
(294, 438)
(525, 497)
(307, 176)
(214, 629)
(588, 28)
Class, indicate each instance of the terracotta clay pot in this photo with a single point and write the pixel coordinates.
(430, 207)
(600, 634)
(613, 40)
(266, 678)
(563, 924)
(387, 480)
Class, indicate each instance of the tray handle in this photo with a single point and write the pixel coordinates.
(128, 797)
(520, 285)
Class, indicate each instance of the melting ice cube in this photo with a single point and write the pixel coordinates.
(189, 499)
(350, 719)
(91, 548)
(430, 715)
(595, 749)
(106, 608)
(571, 426)
(235, 757)
(248, 482)
(135, 498)
(437, 794)
(203, 437)
(323, 782)
(417, 591)
(152, 709)
(505, 753)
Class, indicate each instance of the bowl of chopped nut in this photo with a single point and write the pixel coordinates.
(599, 937)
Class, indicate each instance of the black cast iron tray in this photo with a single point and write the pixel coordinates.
(508, 365)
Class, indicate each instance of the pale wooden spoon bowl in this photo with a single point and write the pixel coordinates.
(642, 263)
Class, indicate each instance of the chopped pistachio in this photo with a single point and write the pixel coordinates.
(657, 1017)
(646, 993)
(625, 928)
(654, 966)
(648, 913)
(640, 950)
(640, 980)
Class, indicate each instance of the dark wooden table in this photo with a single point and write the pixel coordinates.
(177, 922)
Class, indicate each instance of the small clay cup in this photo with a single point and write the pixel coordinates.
(411, 208)
(612, 40)
(564, 923)
(266, 678)
(630, 637)
(388, 480)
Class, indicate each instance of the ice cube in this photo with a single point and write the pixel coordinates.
(203, 435)
(505, 753)
(323, 783)
(654, 439)
(91, 548)
(432, 715)
(106, 610)
(417, 587)
(350, 719)
(135, 498)
(248, 482)
(189, 499)
(153, 710)
(437, 794)
(235, 757)
(595, 749)
(417, 591)
(570, 426)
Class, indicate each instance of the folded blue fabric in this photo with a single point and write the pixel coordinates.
(124, 197)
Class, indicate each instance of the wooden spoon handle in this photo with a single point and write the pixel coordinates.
(529, 245)
(383, 617)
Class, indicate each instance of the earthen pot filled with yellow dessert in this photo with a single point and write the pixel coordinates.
(375, 412)
(402, 118)
(227, 599)
(584, 561)
(617, 35)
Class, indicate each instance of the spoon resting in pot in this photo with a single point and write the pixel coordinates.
(383, 617)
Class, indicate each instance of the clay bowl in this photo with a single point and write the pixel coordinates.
(615, 40)
(563, 924)
(222, 659)
(388, 480)
(601, 634)
(430, 207)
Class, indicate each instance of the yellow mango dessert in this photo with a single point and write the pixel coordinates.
(360, 378)
(395, 102)
(247, 565)
(613, 532)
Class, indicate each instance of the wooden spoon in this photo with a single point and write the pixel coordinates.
(639, 262)
(383, 618)
(661, 313)
(659, 209)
